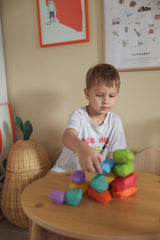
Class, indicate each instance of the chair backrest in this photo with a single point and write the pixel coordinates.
(148, 160)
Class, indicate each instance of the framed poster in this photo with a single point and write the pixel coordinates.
(7, 137)
(132, 34)
(62, 21)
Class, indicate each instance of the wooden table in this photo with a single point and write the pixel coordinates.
(135, 218)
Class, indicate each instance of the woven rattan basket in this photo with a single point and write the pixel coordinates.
(27, 161)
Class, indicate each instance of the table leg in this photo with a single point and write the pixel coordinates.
(35, 231)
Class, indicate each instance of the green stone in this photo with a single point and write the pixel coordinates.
(123, 170)
(74, 196)
(122, 156)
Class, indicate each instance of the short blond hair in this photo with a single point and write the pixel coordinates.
(102, 73)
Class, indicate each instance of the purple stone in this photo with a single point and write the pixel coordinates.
(57, 197)
(78, 177)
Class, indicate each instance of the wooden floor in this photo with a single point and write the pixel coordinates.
(10, 232)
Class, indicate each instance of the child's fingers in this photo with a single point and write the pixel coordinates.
(97, 163)
(90, 167)
(100, 158)
(87, 167)
(98, 167)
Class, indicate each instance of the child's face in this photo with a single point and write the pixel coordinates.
(101, 98)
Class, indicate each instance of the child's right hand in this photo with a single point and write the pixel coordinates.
(89, 159)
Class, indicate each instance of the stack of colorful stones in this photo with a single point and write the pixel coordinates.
(124, 185)
(117, 180)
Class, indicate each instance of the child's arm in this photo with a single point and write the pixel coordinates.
(89, 158)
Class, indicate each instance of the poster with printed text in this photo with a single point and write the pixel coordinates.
(132, 34)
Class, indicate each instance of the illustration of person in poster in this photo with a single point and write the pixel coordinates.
(51, 11)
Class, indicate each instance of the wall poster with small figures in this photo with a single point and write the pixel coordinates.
(132, 34)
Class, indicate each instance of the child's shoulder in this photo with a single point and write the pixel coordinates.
(78, 112)
(81, 110)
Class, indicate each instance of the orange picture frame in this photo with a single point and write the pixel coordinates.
(62, 22)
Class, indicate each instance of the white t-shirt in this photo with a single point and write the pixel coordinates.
(96, 136)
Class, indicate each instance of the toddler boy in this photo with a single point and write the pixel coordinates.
(93, 127)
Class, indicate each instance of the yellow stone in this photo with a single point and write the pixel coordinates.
(110, 177)
(83, 186)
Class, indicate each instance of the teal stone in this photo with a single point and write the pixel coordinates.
(122, 156)
(99, 183)
(123, 170)
(74, 196)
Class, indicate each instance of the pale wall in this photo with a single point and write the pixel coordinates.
(46, 84)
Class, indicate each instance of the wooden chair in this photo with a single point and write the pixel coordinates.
(148, 160)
